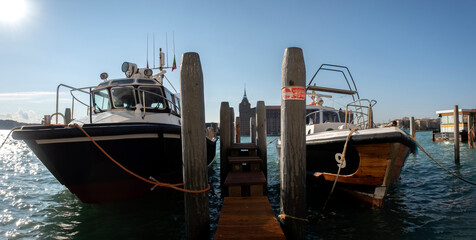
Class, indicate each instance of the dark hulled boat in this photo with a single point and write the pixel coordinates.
(136, 120)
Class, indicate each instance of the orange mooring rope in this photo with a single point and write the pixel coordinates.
(8, 135)
(152, 180)
(273, 140)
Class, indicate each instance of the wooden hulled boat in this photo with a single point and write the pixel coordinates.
(374, 156)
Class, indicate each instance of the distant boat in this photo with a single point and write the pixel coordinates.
(374, 156)
(136, 120)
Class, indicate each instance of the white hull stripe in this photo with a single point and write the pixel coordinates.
(170, 135)
(102, 138)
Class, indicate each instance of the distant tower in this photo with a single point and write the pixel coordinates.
(245, 114)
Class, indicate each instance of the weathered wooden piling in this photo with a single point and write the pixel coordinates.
(261, 140)
(194, 151)
(232, 125)
(237, 129)
(456, 133)
(412, 127)
(470, 131)
(225, 139)
(293, 140)
(253, 129)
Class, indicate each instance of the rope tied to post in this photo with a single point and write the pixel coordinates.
(151, 180)
(342, 160)
(273, 140)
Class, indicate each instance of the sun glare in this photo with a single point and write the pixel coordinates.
(12, 10)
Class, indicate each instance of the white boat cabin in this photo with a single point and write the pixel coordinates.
(320, 118)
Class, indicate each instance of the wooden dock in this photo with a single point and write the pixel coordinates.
(248, 218)
(246, 212)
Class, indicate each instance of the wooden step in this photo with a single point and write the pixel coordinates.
(235, 181)
(248, 218)
(237, 162)
(243, 149)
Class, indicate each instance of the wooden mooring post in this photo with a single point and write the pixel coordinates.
(470, 131)
(225, 139)
(253, 129)
(232, 125)
(194, 151)
(293, 143)
(456, 133)
(261, 136)
(412, 127)
(237, 129)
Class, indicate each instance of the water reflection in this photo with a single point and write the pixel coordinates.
(426, 203)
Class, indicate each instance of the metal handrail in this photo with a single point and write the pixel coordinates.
(341, 69)
(83, 90)
(360, 118)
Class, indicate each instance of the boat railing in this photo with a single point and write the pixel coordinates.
(89, 91)
(360, 113)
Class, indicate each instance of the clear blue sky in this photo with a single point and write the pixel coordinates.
(413, 57)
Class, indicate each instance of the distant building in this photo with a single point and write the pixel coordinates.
(273, 118)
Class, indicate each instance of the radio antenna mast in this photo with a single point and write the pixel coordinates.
(167, 49)
(147, 49)
(153, 51)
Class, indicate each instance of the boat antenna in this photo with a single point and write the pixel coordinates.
(153, 51)
(167, 49)
(147, 49)
(174, 64)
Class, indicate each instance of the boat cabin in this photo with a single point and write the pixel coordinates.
(133, 94)
(320, 118)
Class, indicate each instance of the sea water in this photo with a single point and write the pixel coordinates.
(427, 203)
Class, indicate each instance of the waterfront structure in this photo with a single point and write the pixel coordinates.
(446, 132)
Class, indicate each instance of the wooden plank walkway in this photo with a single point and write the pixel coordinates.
(248, 218)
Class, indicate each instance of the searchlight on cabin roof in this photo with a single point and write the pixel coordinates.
(129, 68)
(104, 76)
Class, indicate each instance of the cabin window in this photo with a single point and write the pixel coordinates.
(153, 97)
(123, 97)
(447, 119)
(170, 100)
(146, 81)
(177, 104)
(330, 116)
(313, 118)
(122, 81)
(101, 100)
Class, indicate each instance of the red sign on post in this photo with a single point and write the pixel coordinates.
(293, 93)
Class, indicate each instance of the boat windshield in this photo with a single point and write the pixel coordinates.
(313, 118)
(153, 97)
(330, 116)
(101, 100)
(327, 116)
(123, 97)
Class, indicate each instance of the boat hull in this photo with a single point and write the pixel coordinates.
(373, 162)
(148, 150)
